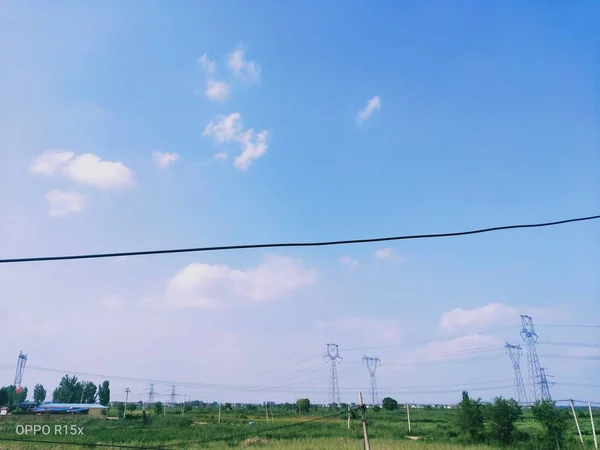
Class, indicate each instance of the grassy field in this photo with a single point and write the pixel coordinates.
(199, 429)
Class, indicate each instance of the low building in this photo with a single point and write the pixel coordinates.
(90, 409)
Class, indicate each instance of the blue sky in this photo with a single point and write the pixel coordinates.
(480, 115)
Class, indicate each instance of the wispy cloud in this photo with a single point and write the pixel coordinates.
(64, 203)
(164, 160)
(374, 104)
(349, 262)
(375, 330)
(476, 319)
(230, 129)
(249, 71)
(216, 90)
(384, 253)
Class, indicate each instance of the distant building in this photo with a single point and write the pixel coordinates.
(90, 409)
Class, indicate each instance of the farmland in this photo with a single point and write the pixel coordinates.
(435, 429)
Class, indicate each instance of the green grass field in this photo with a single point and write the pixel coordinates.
(199, 429)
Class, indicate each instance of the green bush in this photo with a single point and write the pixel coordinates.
(503, 415)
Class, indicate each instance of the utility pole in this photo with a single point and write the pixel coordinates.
(576, 421)
(408, 415)
(333, 358)
(348, 416)
(363, 409)
(127, 390)
(372, 364)
(593, 426)
(219, 413)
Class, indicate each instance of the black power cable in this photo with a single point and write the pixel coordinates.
(292, 244)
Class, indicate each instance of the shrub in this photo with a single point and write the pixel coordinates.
(503, 414)
(554, 422)
(470, 417)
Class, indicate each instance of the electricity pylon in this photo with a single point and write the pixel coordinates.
(333, 358)
(539, 384)
(372, 364)
(20, 370)
(514, 351)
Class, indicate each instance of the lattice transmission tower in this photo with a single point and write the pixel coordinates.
(174, 395)
(333, 358)
(514, 351)
(151, 394)
(372, 364)
(545, 385)
(20, 370)
(537, 377)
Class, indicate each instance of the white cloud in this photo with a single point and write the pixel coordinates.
(349, 262)
(221, 155)
(164, 160)
(217, 90)
(86, 169)
(384, 253)
(50, 161)
(254, 145)
(217, 286)
(64, 203)
(226, 129)
(247, 70)
(476, 319)
(373, 329)
(373, 105)
(230, 128)
(90, 169)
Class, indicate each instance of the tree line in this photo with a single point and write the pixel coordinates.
(69, 390)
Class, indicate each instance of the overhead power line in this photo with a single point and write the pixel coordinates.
(293, 244)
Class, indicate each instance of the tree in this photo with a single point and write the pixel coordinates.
(159, 408)
(89, 392)
(69, 390)
(39, 393)
(553, 420)
(20, 397)
(104, 393)
(470, 416)
(389, 404)
(4, 398)
(303, 406)
(503, 415)
(12, 394)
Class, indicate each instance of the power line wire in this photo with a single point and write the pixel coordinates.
(292, 244)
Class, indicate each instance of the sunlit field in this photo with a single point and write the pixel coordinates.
(200, 428)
